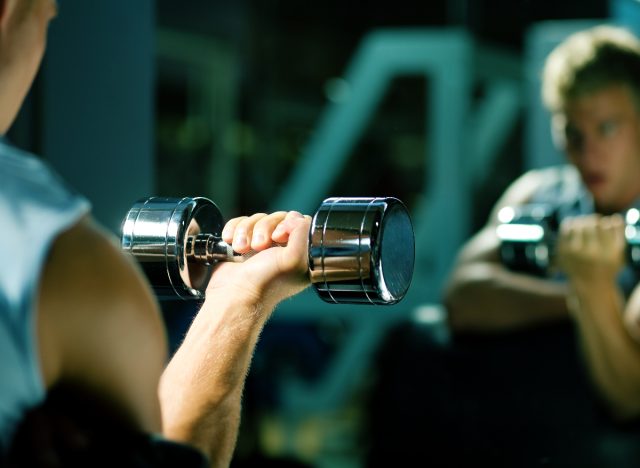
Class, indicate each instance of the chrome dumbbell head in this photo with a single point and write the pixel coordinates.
(159, 233)
(527, 237)
(632, 237)
(361, 250)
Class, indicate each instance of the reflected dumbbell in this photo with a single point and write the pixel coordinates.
(528, 236)
(361, 250)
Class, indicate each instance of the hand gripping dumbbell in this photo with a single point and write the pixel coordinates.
(361, 250)
(528, 235)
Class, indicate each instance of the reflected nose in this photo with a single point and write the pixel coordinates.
(587, 151)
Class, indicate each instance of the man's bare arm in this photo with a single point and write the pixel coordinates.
(591, 251)
(482, 295)
(202, 387)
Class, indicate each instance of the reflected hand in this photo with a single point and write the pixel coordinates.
(591, 247)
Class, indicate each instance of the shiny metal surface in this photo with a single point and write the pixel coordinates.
(361, 250)
(527, 236)
(632, 237)
(156, 231)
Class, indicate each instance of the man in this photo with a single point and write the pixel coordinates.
(74, 310)
(591, 86)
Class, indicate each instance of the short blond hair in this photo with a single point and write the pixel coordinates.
(588, 61)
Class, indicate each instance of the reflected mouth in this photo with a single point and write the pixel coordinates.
(594, 180)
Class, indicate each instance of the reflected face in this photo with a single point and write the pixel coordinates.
(601, 137)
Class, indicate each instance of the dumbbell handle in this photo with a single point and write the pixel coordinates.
(207, 249)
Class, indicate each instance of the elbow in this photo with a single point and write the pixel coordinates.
(624, 403)
(469, 298)
(459, 308)
(620, 400)
(625, 411)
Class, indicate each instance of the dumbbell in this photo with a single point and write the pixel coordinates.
(528, 236)
(361, 250)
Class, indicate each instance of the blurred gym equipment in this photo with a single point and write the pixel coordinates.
(528, 235)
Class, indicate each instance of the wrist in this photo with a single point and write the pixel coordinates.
(247, 302)
(589, 297)
(590, 280)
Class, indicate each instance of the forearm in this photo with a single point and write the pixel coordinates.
(486, 297)
(612, 356)
(201, 389)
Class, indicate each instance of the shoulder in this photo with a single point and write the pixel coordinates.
(99, 324)
(533, 182)
(35, 202)
(32, 177)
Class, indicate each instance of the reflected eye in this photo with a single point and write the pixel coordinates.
(608, 128)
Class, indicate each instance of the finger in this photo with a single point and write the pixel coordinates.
(291, 221)
(588, 229)
(612, 231)
(263, 229)
(566, 235)
(229, 229)
(297, 233)
(243, 232)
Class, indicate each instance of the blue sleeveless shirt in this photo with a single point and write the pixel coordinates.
(35, 207)
(564, 191)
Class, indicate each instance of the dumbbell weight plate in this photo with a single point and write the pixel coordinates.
(632, 237)
(155, 232)
(527, 237)
(361, 250)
